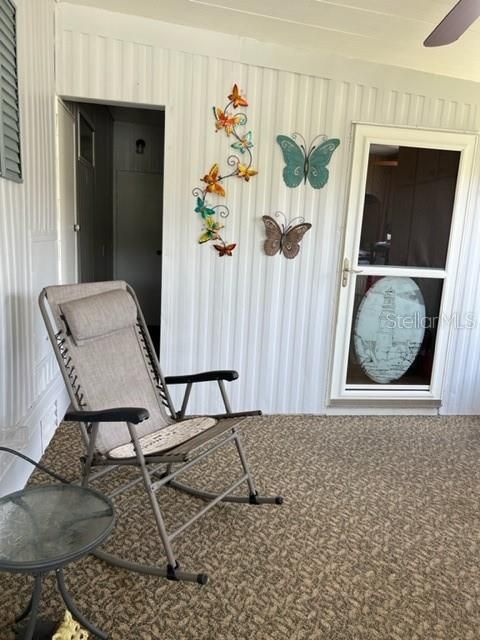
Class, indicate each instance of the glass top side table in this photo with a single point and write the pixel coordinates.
(44, 528)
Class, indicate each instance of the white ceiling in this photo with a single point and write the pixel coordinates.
(384, 31)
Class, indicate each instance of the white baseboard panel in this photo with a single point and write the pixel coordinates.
(31, 436)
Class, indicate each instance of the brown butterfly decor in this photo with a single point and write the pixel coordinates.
(283, 236)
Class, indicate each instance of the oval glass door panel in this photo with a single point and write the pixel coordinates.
(388, 329)
(394, 330)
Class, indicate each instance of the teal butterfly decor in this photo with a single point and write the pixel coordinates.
(203, 209)
(301, 164)
(244, 143)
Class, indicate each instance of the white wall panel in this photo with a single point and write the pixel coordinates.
(44, 259)
(28, 244)
(271, 318)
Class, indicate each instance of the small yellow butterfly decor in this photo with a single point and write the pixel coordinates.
(240, 166)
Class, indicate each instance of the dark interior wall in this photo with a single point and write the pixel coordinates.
(138, 204)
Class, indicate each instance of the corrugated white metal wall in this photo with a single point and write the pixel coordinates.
(28, 246)
(270, 318)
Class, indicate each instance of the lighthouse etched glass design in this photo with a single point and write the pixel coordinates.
(385, 350)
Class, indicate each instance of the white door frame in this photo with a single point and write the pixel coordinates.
(364, 135)
(66, 205)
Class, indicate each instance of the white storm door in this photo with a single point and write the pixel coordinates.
(408, 199)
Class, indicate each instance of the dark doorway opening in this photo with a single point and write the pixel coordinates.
(119, 200)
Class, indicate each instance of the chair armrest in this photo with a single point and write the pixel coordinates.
(206, 376)
(238, 414)
(120, 414)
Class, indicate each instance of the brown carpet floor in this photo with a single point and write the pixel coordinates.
(378, 538)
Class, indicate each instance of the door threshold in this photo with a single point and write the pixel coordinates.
(383, 407)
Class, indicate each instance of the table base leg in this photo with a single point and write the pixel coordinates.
(67, 598)
(44, 630)
(32, 607)
(33, 628)
(25, 612)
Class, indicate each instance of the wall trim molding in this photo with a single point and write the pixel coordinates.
(39, 433)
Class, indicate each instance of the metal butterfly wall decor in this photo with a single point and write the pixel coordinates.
(310, 165)
(283, 236)
(214, 215)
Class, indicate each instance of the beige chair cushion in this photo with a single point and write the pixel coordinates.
(166, 438)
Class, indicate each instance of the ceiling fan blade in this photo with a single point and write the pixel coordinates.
(455, 23)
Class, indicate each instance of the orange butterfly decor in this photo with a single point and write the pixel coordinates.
(236, 99)
(225, 249)
(225, 121)
(212, 179)
(212, 215)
